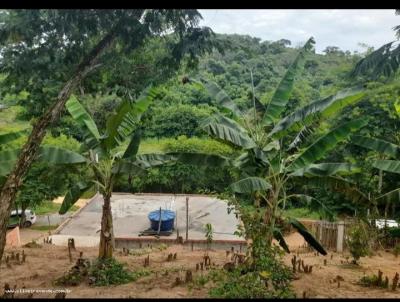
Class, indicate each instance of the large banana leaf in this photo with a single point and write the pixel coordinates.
(383, 61)
(378, 145)
(388, 165)
(327, 169)
(282, 94)
(7, 160)
(47, 154)
(201, 159)
(72, 196)
(10, 136)
(326, 143)
(307, 235)
(222, 99)
(391, 197)
(281, 240)
(325, 108)
(82, 117)
(55, 155)
(133, 146)
(337, 184)
(141, 162)
(227, 130)
(121, 125)
(250, 185)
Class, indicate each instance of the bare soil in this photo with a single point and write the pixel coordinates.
(44, 265)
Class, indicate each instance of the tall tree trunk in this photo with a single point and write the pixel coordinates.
(30, 149)
(107, 232)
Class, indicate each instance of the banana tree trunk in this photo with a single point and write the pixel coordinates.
(30, 149)
(107, 232)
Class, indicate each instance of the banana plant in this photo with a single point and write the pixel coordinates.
(391, 164)
(107, 156)
(278, 150)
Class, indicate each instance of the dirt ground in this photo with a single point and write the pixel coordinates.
(43, 265)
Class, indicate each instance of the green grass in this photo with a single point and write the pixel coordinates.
(44, 227)
(302, 213)
(51, 207)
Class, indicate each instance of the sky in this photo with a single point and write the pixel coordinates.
(344, 28)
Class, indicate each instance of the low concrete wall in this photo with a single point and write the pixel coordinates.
(135, 243)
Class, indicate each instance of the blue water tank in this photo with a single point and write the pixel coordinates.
(167, 220)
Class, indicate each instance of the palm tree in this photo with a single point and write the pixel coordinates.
(278, 151)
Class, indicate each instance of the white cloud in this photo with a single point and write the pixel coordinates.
(342, 28)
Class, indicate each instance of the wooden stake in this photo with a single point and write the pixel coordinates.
(187, 218)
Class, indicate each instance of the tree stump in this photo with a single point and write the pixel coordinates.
(71, 243)
(188, 276)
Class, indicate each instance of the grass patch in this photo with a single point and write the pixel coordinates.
(51, 207)
(44, 227)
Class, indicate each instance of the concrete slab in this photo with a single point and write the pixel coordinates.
(130, 216)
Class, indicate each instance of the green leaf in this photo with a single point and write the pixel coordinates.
(282, 94)
(281, 240)
(250, 185)
(327, 169)
(55, 155)
(73, 195)
(383, 61)
(10, 136)
(222, 99)
(227, 130)
(152, 160)
(139, 163)
(201, 159)
(387, 165)
(8, 159)
(82, 117)
(378, 145)
(133, 146)
(325, 108)
(121, 125)
(391, 197)
(325, 144)
(307, 235)
(46, 154)
(338, 184)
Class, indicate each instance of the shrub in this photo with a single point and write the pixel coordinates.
(358, 241)
(239, 285)
(109, 271)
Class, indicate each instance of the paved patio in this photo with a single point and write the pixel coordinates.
(130, 216)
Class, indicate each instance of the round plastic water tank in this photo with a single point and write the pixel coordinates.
(167, 220)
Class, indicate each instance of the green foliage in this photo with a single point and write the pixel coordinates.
(176, 120)
(182, 144)
(106, 272)
(271, 279)
(358, 239)
(209, 234)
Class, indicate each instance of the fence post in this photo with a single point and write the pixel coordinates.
(340, 236)
(187, 218)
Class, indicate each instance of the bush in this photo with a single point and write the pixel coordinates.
(358, 241)
(240, 285)
(108, 272)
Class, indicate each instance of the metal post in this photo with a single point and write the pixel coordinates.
(187, 218)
